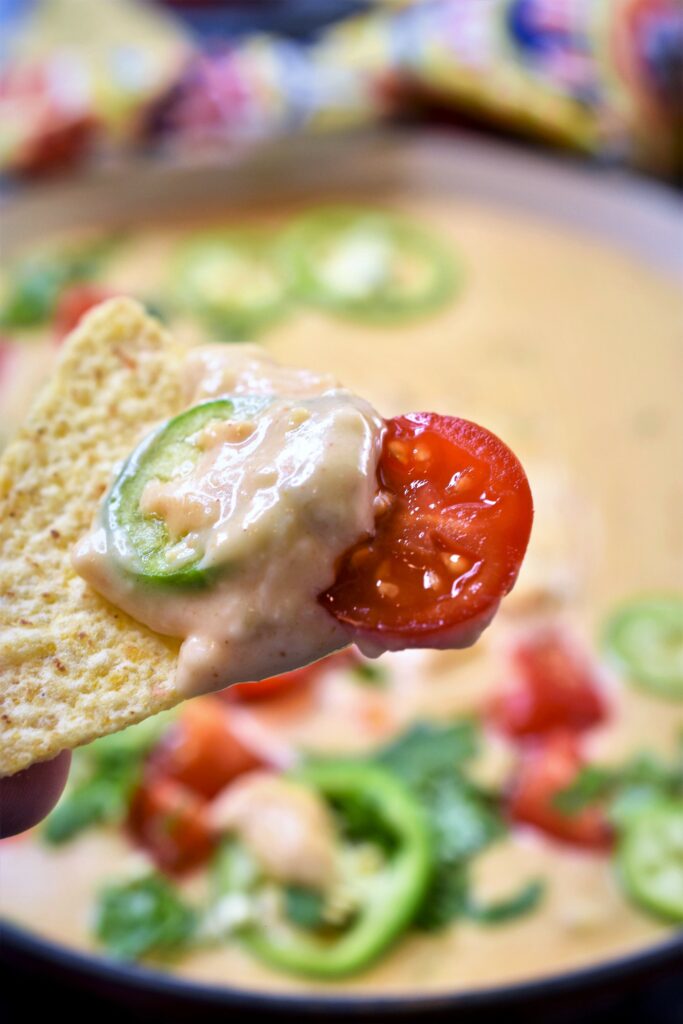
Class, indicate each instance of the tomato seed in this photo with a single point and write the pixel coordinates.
(456, 563)
(399, 451)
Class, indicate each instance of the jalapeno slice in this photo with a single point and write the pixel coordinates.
(140, 542)
(650, 860)
(645, 640)
(367, 264)
(232, 281)
(391, 895)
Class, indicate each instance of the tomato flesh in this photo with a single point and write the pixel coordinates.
(202, 751)
(286, 682)
(449, 544)
(171, 823)
(73, 303)
(548, 766)
(554, 686)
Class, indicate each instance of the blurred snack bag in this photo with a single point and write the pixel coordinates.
(267, 85)
(600, 76)
(604, 76)
(76, 72)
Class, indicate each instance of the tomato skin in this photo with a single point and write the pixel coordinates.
(274, 686)
(202, 750)
(171, 823)
(554, 686)
(448, 547)
(548, 766)
(73, 303)
(278, 686)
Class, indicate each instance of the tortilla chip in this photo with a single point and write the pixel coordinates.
(72, 666)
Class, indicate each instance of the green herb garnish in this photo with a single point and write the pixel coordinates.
(626, 788)
(369, 674)
(304, 907)
(145, 917)
(464, 820)
(104, 775)
(34, 285)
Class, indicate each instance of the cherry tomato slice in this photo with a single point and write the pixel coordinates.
(554, 686)
(73, 303)
(449, 544)
(547, 767)
(202, 750)
(279, 686)
(171, 823)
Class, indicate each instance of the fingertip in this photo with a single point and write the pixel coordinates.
(27, 797)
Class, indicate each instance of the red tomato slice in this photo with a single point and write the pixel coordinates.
(448, 546)
(277, 686)
(549, 766)
(74, 302)
(202, 750)
(555, 686)
(170, 822)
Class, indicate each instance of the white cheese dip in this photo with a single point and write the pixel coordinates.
(271, 503)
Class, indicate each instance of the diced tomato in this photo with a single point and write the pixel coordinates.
(554, 685)
(547, 767)
(202, 749)
(171, 823)
(449, 543)
(74, 302)
(277, 686)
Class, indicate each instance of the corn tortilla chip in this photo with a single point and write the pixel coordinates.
(72, 666)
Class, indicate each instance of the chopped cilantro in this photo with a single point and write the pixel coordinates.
(464, 819)
(369, 674)
(450, 896)
(499, 911)
(427, 749)
(145, 917)
(303, 906)
(105, 774)
(626, 789)
(35, 284)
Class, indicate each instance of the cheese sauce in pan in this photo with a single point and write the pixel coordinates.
(573, 353)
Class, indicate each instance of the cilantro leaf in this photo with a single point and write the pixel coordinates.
(501, 911)
(445, 899)
(105, 774)
(427, 748)
(145, 917)
(450, 896)
(464, 821)
(304, 906)
(431, 759)
(625, 788)
(35, 284)
(369, 674)
(94, 801)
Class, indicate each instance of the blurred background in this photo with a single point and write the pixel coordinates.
(83, 81)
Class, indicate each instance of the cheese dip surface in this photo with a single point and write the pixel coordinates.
(280, 480)
(571, 351)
